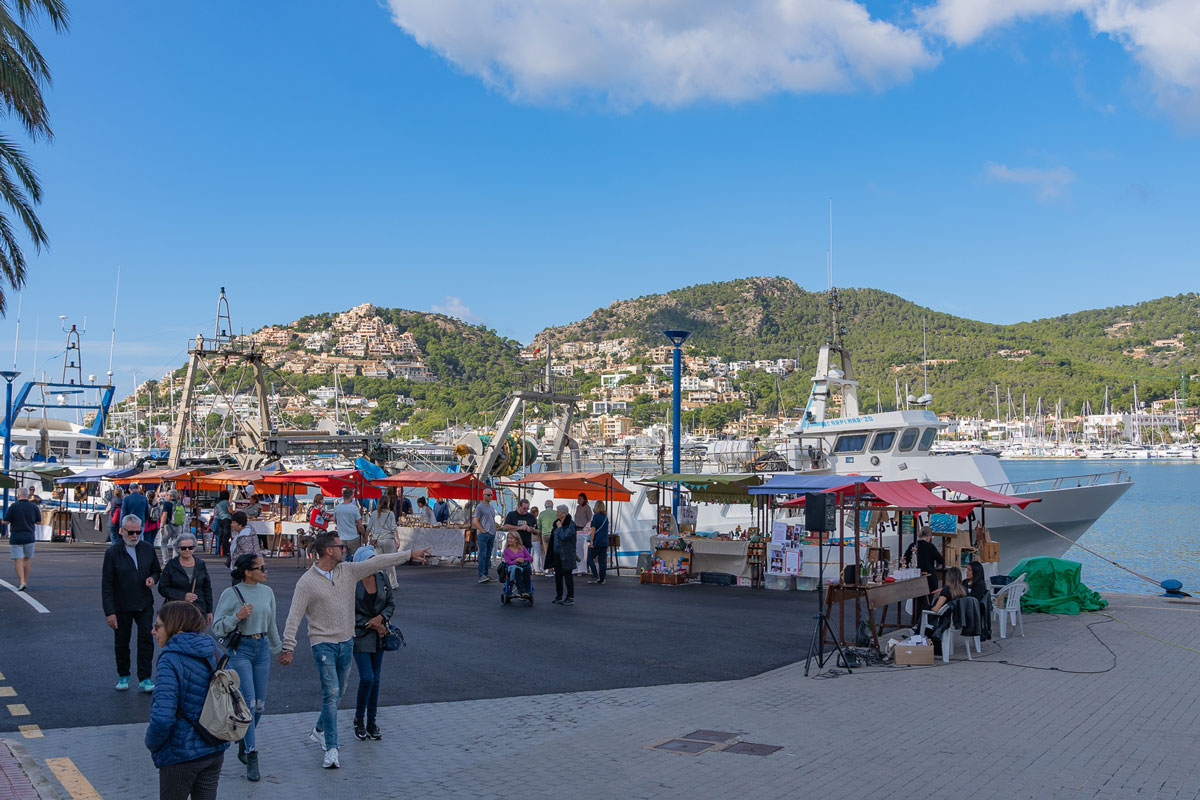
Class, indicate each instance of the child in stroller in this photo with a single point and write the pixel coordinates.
(515, 570)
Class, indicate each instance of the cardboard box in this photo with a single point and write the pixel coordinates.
(913, 655)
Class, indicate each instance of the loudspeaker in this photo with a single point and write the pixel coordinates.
(820, 511)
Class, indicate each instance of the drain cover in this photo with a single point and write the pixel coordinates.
(718, 737)
(751, 749)
(683, 746)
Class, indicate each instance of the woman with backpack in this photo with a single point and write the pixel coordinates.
(187, 765)
(249, 606)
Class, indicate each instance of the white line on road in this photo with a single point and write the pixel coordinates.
(41, 609)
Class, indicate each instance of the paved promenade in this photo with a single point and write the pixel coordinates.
(1111, 713)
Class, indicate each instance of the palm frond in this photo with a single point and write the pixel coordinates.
(12, 260)
(54, 10)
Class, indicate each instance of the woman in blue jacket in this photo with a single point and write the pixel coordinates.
(187, 765)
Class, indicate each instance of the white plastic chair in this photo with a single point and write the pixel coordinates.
(1006, 606)
(928, 623)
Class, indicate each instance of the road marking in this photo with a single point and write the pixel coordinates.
(41, 609)
(72, 779)
(31, 731)
(18, 710)
(7, 691)
(1, 676)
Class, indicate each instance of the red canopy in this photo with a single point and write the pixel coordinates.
(448, 485)
(594, 485)
(907, 495)
(847, 488)
(968, 489)
(329, 481)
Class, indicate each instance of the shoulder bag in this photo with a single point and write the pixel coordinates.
(232, 639)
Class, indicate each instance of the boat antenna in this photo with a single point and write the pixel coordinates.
(829, 253)
(17, 339)
(113, 341)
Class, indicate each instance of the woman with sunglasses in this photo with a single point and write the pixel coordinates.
(250, 603)
(186, 578)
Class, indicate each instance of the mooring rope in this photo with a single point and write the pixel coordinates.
(1085, 549)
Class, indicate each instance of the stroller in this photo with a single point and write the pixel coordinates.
(508, 582)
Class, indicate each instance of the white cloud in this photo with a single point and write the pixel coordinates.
(665, 52)
(1162, 35)
(455, 307)
(1049, 183)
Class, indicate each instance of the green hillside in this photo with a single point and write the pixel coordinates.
(1073, 356)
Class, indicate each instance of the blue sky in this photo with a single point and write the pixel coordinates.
(524, 163)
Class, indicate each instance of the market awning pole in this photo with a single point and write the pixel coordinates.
(677, 338)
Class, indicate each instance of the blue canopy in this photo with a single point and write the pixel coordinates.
(100, 473)
(799, 484)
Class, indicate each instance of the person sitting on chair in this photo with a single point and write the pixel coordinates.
(951, 591)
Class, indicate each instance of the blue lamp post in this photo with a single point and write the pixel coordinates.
(9, 376)
(677, 339)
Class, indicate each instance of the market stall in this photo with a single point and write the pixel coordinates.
(735, 557)
(450, 541)
(293, 528)
(89, 523)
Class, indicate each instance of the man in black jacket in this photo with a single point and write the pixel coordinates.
(130, 571)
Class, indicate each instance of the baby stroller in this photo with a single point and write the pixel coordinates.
(508, 582)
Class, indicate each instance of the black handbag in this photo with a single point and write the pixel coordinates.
(232, 639)
(393, 640)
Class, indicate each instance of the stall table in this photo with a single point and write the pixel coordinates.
(444, 543)
(877, 596)
(720, 555)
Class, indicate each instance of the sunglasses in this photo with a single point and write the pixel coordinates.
(188, 548)
(263, 568)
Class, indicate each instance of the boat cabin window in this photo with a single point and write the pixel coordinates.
(83, 447)
(850, 443)
(908, 439)
(927, 438)
(883, 441)
(59, 447)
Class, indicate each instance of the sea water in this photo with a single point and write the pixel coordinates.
(1154, 529)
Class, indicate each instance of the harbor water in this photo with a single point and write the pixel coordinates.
(1154, 529)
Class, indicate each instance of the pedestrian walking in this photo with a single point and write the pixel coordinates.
(128, 576)
(545, 522)
(185, 578)
(22, 517)
(249, 605)
(150, 527)
(222, 518)
(171, 522)
(563, 557)
(374, 604)
(112, 513)
(245, 539)
(135, 504)
(597, 559)
(348, 518)
(325, 595)
(484, 523)
(318, 519)
(188, 766)
(382, 527)
(583, 512)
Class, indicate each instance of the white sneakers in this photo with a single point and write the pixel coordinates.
(317, 738)
(331, 759)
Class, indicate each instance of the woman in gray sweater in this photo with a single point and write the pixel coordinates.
(250, 603)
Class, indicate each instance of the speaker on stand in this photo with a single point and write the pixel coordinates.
(820, 515)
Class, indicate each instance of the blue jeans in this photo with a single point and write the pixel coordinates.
(114, 533)
(369, 665)
(333, 665)
(484, 542)
(252, 660)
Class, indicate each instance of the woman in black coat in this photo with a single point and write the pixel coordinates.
(374, 605)
(186, 578)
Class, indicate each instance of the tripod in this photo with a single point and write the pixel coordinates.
(816, 645)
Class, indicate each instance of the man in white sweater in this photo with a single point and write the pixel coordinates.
(325, 594)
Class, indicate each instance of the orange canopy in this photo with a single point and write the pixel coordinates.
(443, 485)
(156, 476)
(594, 485)
(231, 477)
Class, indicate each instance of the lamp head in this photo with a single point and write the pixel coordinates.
(9, 375)
(677, 337)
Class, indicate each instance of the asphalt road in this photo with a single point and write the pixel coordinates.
(463, 644)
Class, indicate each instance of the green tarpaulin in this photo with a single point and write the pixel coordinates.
(713, 488)
(1055, 587)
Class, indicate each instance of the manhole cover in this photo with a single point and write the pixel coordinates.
(683, 746)
(751, 749)
(717, 737)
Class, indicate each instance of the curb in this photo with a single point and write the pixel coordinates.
(43, 783)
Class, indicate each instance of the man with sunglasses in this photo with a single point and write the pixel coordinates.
(325, 595)
(128, 576)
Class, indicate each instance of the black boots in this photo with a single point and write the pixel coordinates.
(252, 766)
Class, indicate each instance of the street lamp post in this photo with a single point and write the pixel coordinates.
(9, 376)
(677, 339)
